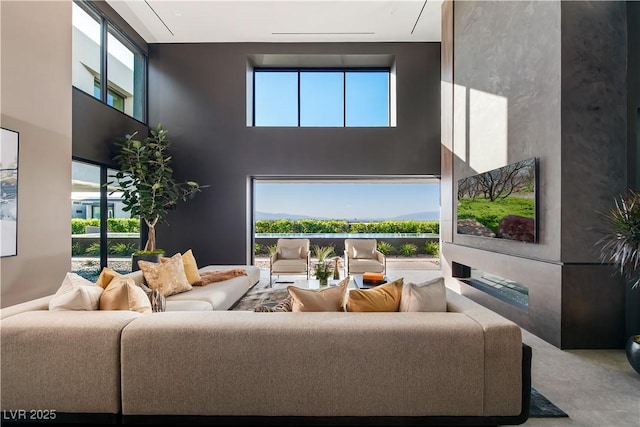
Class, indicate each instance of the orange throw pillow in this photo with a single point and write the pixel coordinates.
(385, 297)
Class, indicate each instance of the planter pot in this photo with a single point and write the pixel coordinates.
(633, 352)
(144, 257)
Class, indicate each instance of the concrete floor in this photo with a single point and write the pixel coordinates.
(594, 387)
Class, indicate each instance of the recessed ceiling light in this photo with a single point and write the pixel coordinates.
(178, 13)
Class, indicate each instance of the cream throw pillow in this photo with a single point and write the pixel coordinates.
(385, 297)
(169, 277)
(76, 293)
(426, 296)
(363, 253)
(290, 253)
(123, 294)
(328, 299)
(190, 266)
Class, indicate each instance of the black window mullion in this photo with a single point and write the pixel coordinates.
(104, 214)
(103, 60)
(344, 99)
(389, 98)
(299, 98)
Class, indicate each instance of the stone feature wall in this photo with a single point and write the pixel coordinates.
(544, 80)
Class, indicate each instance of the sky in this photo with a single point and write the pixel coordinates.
(347, 200)
(323, 98)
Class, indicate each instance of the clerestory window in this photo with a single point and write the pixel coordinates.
(352, 97)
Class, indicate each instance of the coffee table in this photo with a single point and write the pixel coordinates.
(315, 283)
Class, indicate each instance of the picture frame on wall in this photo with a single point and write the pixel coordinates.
(8, 192)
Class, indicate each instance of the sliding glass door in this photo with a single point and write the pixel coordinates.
(103, 235)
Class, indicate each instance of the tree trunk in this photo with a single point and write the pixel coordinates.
(151, 237)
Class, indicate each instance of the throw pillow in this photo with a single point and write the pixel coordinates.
(328, 299)
(385, 297)
(286, 305)
(190, 266)
(123, 294)
(76, 293)
(106, 276)
(290, 253)
(426, 296)
(169, 277)
(363, 253)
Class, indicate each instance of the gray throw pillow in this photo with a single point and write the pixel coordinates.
(290, 253)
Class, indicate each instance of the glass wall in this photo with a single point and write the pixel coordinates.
(92, 246)
(86, 52)
(85, 220)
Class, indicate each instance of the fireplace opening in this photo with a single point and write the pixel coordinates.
(507, 290)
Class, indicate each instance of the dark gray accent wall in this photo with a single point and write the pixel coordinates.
(198, 93)
(95, 127)
(633, 137)
(556, 73)
(633, 93)
(594, 120)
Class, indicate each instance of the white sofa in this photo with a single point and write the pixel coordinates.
(215, 296)
(466, 366)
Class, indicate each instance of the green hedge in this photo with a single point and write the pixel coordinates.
(341, 226)
(115, 225)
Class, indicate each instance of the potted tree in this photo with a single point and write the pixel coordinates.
(149, 190)
(620, 245)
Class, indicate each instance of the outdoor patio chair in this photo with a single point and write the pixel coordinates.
(362, 256)
(291, 257)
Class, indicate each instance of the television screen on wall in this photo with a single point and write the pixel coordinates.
(500, 203)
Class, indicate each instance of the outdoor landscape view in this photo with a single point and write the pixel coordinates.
(403, 216)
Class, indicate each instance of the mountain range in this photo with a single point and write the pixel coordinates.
(416, 216)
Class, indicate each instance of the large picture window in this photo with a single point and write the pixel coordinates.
(321, 97)
(106, 64)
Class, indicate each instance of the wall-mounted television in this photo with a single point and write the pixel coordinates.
(500, 203)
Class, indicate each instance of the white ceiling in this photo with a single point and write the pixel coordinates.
(185, 21)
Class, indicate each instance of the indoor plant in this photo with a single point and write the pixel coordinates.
(620, 245)
(323, 268)
(145, 179)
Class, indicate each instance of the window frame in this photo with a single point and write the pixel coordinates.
(343, 70)
(106, 26)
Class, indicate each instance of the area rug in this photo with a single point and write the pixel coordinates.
(540, 406)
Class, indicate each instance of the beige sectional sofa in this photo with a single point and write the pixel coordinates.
(466, 366)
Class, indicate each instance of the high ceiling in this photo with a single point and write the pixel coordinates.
(183, 21)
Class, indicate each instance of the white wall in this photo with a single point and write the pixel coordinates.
(35, 92)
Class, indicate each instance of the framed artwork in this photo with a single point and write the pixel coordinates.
(8, 193)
